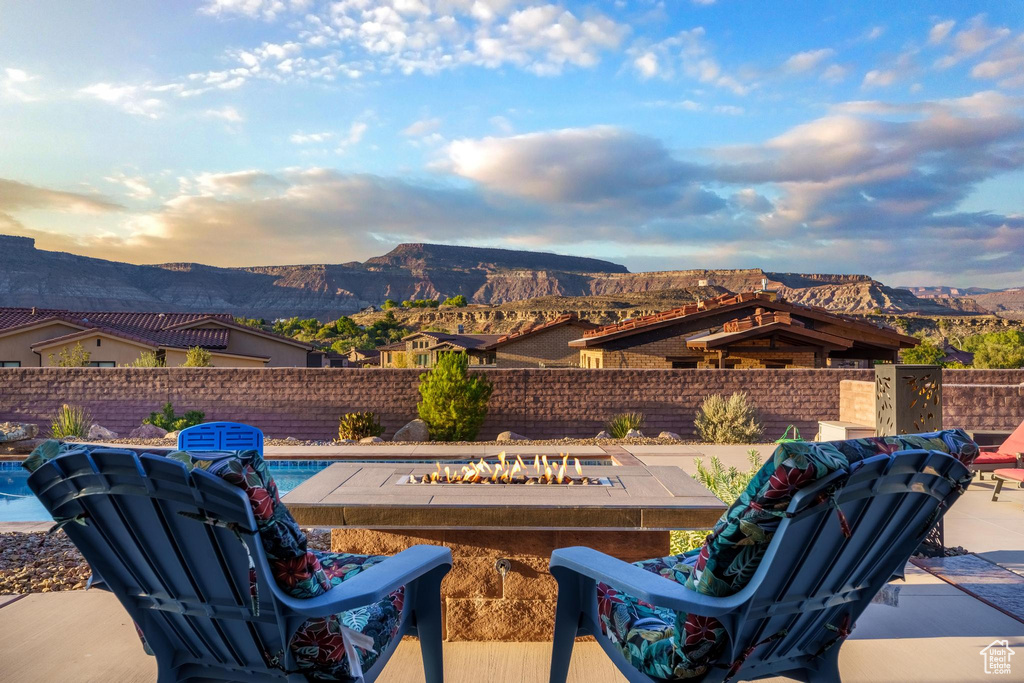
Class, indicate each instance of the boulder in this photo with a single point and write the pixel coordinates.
(634, 434)
(100, 433)
(416, 430)
(172, 436)
(290, 438)
(17, 431)
(603, 435)
(147, 432)
(669, 435)
(23, 447)
(344, 441)
(511, 436)
(371, 439)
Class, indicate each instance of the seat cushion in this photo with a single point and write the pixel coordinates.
(1014, 474)
(318, 645)
(995, 459)
(665, 644)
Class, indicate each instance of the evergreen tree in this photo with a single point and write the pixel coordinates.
(453, 403)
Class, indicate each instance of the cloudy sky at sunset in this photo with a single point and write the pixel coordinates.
(877, 137)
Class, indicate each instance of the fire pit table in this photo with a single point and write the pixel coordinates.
(502, 532)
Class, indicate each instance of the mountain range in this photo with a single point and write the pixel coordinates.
(49, 279)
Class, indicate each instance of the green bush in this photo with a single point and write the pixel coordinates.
(70, 422)
(76, 357)
(147, 359)
(458, 301)
(726, 484)
(731, 420)
(925, 353)
(997, 349)
(453, 403)
(166, 419)
(197, 357)
(359, 426)
(620, 424)
(389, 303)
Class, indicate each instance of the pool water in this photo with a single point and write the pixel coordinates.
(18, 504)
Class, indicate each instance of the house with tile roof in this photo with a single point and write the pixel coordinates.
(748, 330)
(422, 349)
(34, 337)
(542, 346)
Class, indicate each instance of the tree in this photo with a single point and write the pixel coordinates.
(925, 353)
(147, 359)
(197, 357)
(77, 357)
(389, 303)
(458, 301)
(453, 404)
(997, 349)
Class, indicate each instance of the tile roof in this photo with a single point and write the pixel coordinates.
(152, 329)
(567, 319)
(678, 312)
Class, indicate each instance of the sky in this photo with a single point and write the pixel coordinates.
(883, 138)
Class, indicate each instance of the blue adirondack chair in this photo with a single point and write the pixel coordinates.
(810, 587)
(204, 598)
(220, 436)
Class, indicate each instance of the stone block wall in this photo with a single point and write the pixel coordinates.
(541, 403)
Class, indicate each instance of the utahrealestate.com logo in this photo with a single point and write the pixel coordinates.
(997, 657)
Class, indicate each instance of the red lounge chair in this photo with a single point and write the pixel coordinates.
(1000, 476)
(1007, 454)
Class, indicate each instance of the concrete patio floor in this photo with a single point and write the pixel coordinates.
(936, 633)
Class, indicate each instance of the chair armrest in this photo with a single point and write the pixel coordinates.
(372, 584)
(641, 583)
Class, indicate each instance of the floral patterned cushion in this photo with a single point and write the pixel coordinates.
(668, 645)
(318, 645)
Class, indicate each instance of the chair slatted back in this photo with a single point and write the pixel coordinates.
(221, 436)
(814, 581)
(184, 582)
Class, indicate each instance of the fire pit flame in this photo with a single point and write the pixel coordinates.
(508, 471)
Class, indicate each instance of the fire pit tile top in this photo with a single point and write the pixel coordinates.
(377, 495)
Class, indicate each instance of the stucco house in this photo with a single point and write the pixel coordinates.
(422, 349)
(542, 346)
(30, 337)
(749, 330)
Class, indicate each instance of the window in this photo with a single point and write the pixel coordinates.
(102, 364)
(10, 363)
(422, 359)
(684, 364)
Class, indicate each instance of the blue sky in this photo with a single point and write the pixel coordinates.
(877, 137)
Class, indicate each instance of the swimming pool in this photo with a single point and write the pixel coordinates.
(17, 504)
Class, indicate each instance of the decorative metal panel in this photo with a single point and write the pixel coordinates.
(908, 399)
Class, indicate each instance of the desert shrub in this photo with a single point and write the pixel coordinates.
(70, 422)
(925, 353)
(454, 404)
(728, 420)
(458, 301)
(389, 303)
(197, 357)
(726, 484)
(147, 359)
(620, 424)
(166, 419)
(76, 357)
(359, 426)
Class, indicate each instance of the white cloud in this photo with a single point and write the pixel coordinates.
(135, 187)
(422, 127)
(13, 84)
(940, 31)
(342, 141)
(834, 73)
(268, 10)
(879, 78)
(1005, 64)
(501, 124)
(226, 113)
(132, 99)
(301, 138)
(874, 33)
(647, 64)
(971, 41)
(686, 53)
(805, 61)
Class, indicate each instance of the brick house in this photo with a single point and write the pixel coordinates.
(422, 349)
(542, 346)
(750, 330)
(29, 337)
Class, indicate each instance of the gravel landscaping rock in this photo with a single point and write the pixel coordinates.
(17, 431)
(101, 433)
(669, 435)
(147, 432)
(416, 430)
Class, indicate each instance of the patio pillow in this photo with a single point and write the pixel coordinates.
(318, 645)
(669, 645)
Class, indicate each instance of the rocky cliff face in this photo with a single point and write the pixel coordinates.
(30, 277)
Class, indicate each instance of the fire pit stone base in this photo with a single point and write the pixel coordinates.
(478, 605)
